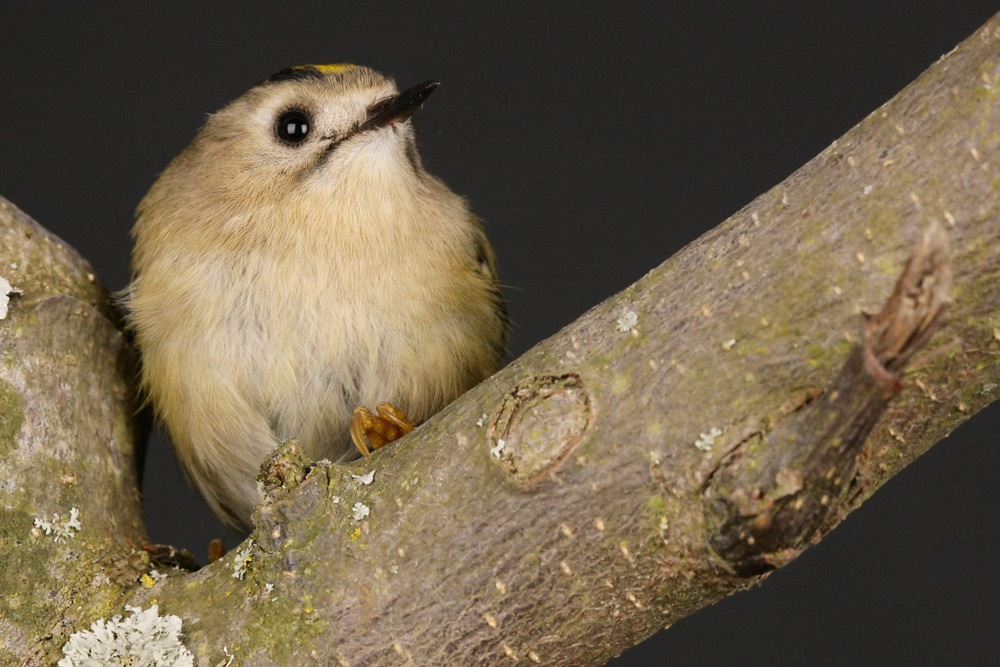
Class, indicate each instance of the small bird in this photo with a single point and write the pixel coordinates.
(295, 263)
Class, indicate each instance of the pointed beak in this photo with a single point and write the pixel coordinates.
(398, 107)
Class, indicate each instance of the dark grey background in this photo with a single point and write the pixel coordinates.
(595, 143)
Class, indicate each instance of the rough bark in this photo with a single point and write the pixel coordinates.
(665, 450)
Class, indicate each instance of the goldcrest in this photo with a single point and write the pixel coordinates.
(295, 262)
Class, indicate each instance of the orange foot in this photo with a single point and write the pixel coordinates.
(216, 550)
(389, 424)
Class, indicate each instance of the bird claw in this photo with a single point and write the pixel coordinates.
(380, 429)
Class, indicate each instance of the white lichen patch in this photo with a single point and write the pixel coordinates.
(365, 479)
(60, 529)
(360, 511)
(242, 560)
(495, 451)
(481, 420)
(707, 440)
(627, 321)
(5, 291)
(144, 639)
(4, 298)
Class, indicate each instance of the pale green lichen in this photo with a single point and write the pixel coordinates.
(706, 440)
(5, 291)
(365, 479)
(60, 529)
(627, 321)
(497, 450)
(360, 511)
(242, 559)
(144, 639)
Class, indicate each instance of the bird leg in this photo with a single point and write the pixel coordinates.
(389, 424)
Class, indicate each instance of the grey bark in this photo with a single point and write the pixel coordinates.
(667, 449)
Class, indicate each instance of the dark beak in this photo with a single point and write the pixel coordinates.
(399, 107)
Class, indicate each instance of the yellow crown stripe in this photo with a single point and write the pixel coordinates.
(333, 68)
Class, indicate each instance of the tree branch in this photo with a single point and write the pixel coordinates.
(665, 450)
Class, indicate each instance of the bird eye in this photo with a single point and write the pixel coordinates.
(293, 127)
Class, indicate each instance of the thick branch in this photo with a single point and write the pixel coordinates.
(616, 471)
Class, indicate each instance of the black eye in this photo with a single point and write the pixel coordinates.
(293, 127)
